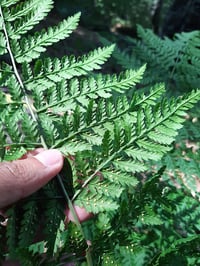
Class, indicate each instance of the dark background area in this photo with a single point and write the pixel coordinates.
(118, 19)
(165, 17)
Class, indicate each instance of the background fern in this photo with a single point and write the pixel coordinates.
(111, 134)
(181, 57)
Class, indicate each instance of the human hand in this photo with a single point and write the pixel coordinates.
(21, 178)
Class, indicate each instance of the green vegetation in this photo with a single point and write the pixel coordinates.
(129, 159)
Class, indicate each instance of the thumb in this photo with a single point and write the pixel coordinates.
(21, 178)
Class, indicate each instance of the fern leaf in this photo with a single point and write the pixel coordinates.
(36, 14)
(8, 3)
(161, 138)
(75, 146)
(126, 80)
(148, 217)
(129, 166)
(109, 138)
(91, 88)
(177, 110)
(32, 46)
(50, 71)
(11, 124)
(142, 154)
(2, 44)
(96, 204)
(29, 224)
(12, 232)
(181, 56)
(121, 178)
(37, 248)
(49, 129)
(20, 10)
(11, 153)
(14, 88)
(131, 255)
(54, 214)
(105, 188)
(103, 112)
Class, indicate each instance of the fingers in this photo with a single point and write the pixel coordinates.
(81, 213)
(21, 178)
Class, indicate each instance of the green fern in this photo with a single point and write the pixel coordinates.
(108, 138)
(182, 164)
(174, 62)
(153, 242)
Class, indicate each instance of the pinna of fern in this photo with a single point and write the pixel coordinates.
(61, 103)
(173, 61)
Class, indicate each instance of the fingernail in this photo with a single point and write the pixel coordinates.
(49, 157)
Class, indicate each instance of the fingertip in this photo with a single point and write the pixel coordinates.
(50, 157)
(81, 213)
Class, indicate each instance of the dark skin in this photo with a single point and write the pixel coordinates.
(21, 178)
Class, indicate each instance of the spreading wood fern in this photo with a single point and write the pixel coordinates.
(108, 138)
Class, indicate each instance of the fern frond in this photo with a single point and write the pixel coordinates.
(131, 255)
(109, 139)
(48, 72)
(171, 59)
(28, 16)
(31, 47)
(11, 233)
(15, 122)
(177, 245)
(96, 115)
(121, 178)
(20, 10)
(2, 44)
(148, 217)
(15, 91)
(173, 111)
(29, 224)
(53, 214)
(96, 204)
(189, 59)
(8, 3)
(66, 96)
